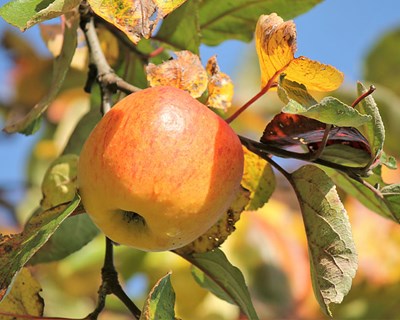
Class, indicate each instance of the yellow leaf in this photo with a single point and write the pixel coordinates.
(185, 72)
(275, 45)
(313, 74)
(23, 299)
(130, 16)
(220, 86)
(167, 6)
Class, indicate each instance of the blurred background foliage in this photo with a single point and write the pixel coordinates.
(269, 245)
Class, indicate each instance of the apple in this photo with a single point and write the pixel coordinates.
(159, 170)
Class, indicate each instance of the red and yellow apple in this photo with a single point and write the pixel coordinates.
(159, 170)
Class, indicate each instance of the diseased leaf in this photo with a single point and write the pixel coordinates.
(181, 28)
(27, 124)
(220, 86)
(185, 72)
(374, 130)
(333, 256)
(23, 14)
(225, 20)
(214, 272)
(330, 111)
(258, 178)
(167, 6)
(17, 249)
(276, 44)
(160, 302)
(23, 299)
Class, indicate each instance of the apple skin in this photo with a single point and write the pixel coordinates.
(159, 170)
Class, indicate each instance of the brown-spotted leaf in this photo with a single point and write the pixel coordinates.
(167, 6)
(276, 45)
(23, 299)
(220, 86)
(185, 72)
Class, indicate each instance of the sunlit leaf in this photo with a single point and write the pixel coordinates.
(291, 90)
(167, 6)
(258, 178)
(220, 86)
(23, 299)
(333, 256)
(221, 230)
(185, 72)
(214, 272)
(374, 130)
(23, 14)
(17, 249)
(160, 301)
(276, 45)
(223, 20)
(60, 69)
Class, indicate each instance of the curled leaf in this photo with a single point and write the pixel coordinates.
(220, 86)
(185, 72)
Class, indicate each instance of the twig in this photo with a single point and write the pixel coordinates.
(363, 96)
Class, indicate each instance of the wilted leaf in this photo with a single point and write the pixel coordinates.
(185, 72)
(23, 14)
(258, 178)
(223, 20)
(60, 69)
(214, 272)
(23, 299)
(333, 257)
(160, 302)
(220, 86)
(276, 44)
(374, 130)
(221, 230)
(17, 249)
(181, 29)
(134, 17)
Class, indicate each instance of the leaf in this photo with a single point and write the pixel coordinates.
(363, 194)
(60, 69)
(214, 272)
(17, 249)
(258, 178)
(333, 256)
(160, 302)
(185, 72)
(291, 90)
(221, 230)
(226, 20)
(220, 86)
(23, 14)
(391, 193)
(24, 298)
(72, 235)
(374, 130)
(346, 155)
(181, 28)
(276, 44)
(134, 17)
(388, 161)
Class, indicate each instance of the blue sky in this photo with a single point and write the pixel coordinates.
(337, 32)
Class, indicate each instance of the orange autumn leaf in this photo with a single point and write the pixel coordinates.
(220, 86)
(134, 17)
(185, 72)
(276, 44)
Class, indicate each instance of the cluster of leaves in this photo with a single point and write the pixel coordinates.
(345, 142)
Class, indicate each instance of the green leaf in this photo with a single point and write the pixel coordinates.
(291, 90)
(363, 194)
(215, 273)
(73, 234)
(23, 14)
(226, 20)
(181, 28)
(160, 302)
(391, 193)
(17, 249)
(373, 131)
(258, 178)
(345, 155)
(331, 111)
(333, 257)
(388, 161)
(60, 69)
